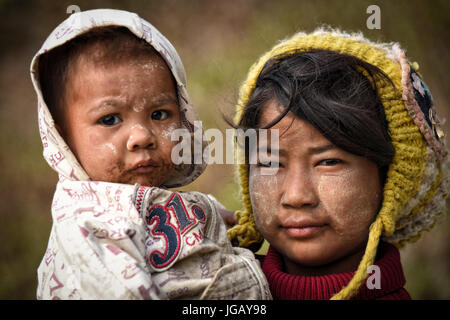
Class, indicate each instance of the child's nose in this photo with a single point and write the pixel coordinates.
(141, 138)
(298, 190)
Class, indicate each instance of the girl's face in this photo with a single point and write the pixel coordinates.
(316, 209)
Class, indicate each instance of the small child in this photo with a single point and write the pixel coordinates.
(362, 166)
(111, 89)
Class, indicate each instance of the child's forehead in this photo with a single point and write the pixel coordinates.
(102, 54)
(130, 65)
(127, 83)
(126, 71)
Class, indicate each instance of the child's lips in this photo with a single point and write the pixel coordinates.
(145, 166)
(145, 169)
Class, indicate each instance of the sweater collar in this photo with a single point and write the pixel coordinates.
(292, 287)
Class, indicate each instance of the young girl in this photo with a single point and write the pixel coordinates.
(361, 169)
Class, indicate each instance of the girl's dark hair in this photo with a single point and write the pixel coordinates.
(330, 91)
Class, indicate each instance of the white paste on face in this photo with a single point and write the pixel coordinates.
(344, 201)
(139, 106)
(167, 133)
(264, 208)
(139, 126)
(110, 146)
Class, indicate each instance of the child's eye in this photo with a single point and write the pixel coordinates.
(329, 162)
(110, 120)
(160, 115)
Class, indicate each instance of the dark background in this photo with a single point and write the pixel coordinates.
(217, 41)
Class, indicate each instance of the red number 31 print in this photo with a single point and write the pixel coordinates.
(160, 217)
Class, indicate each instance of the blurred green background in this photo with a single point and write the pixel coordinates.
(217, 41)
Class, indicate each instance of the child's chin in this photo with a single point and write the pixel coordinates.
(147, 182)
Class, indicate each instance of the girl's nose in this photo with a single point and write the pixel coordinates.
(298, 190)
(141, 138)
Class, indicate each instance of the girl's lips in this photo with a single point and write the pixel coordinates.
(303, 232)
(304, 228)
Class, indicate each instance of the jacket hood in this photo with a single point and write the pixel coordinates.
(56, 152)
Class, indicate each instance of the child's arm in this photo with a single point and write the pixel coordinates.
(227, 215)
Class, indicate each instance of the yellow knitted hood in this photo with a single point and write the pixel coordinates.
(417, 180)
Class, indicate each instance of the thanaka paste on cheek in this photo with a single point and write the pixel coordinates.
(103, 158)
(111, 148)
(350, 211)
(167, 133)
(264, 206)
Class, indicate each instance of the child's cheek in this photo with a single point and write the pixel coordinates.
(263, 191)
(110, 149)
(101, 148)
(348, 204)
(166, 134)
(165, 143)
(103, 159)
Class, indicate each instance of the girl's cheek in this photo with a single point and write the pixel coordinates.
(263, 191)
(347, 203)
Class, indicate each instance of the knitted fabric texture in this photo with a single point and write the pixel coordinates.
(294, 287)
(417, 181)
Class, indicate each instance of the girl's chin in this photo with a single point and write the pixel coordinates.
(310, 255)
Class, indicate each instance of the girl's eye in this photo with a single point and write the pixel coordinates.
(110, 120)
(269, 164)
(160, 115)
(330, 162)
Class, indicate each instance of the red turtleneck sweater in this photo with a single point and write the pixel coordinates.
(292, 287)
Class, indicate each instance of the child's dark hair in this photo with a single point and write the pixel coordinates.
(104, 46)
(330, 91)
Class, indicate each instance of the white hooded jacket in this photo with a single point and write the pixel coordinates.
(118, 241)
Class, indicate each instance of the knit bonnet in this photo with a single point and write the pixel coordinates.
(417, 182)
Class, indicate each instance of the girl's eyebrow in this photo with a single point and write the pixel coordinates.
(311, 150)
(320, 149)
(268, 149)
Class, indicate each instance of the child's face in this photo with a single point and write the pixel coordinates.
(317, 208)
(118, 120)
